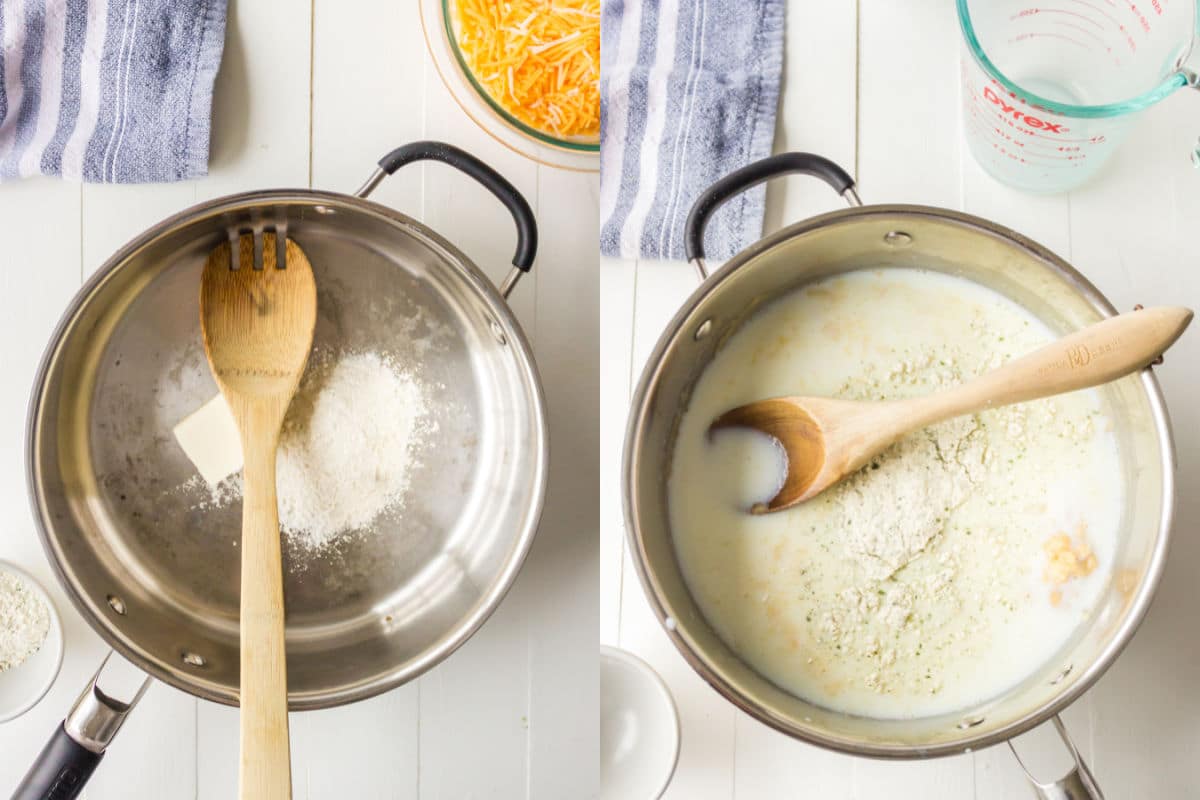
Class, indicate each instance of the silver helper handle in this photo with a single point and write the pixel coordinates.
(1078, 784)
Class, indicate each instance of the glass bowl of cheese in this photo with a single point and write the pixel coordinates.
(526, 71)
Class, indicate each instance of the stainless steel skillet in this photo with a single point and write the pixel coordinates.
(150, 562)
(880, 237)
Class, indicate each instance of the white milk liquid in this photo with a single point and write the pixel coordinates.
(916, 587)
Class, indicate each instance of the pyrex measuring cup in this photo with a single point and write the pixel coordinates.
(1051, 87)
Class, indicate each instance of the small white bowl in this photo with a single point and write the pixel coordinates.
(639, 729)
(22, 686)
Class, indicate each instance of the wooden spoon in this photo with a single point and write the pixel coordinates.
(825, 439)
(258, 329)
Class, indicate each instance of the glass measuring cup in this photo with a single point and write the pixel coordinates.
(1051, 87)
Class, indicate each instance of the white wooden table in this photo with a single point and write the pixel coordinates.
(874, 86)
(313, 97)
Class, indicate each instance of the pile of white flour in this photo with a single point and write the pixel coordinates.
(24, 620)
(891, 511)
(350, 444)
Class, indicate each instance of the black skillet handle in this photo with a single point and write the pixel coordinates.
(753, 174)
(74, 751)
(60, 771)
(491, 180)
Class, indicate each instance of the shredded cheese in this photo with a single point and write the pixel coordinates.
(539, 60)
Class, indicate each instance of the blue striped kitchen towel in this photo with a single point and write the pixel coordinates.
(688, 93)
(108, 91)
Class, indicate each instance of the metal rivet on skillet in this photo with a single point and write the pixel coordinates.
(193, 659)
(116, 604)
(897, 239)
(497, 331)
(704, 329)
(323, 209)
(1062, 675)
(970, 722)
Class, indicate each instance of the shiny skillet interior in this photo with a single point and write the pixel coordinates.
(159, 573)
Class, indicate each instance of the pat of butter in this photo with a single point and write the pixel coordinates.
(209, 437)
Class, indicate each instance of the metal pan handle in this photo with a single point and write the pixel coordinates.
(753, 174)
(78, 744)
(1078, 784)
(491, 180)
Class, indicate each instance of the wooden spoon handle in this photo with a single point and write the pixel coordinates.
(266, 760)
(1097, 354)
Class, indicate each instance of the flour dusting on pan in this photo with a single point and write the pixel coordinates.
(351, 441)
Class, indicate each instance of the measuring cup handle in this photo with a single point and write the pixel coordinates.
(753, 174)
(494, 182)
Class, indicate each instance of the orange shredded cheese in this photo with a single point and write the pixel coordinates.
(539, 59)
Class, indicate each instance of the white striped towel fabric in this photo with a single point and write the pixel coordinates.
(688, 93)
(108, 91)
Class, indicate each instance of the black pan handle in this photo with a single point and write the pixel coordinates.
(78, 744)
(753, 174)
(61, 770)
(491, 180)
